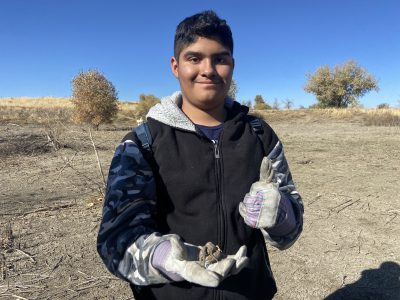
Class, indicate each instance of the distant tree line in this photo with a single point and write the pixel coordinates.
(96, 102)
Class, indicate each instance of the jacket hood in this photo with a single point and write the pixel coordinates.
(169, 112)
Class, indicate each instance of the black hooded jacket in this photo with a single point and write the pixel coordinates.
(198, 187)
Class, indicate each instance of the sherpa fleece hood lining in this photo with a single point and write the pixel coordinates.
(169, 112)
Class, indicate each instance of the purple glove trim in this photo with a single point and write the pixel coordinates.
(253, 208)
(286, 220)
(159, 257)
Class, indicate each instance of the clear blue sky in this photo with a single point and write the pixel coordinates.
(44, 43)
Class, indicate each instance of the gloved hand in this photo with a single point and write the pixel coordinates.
(181, 260)
(259, 208)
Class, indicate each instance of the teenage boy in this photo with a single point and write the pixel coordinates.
(213, 175)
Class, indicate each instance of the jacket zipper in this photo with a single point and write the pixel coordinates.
(221, 204)
(221, 210)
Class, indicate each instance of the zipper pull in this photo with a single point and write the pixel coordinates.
(216, 150)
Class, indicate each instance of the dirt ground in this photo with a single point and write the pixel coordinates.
(347, 173)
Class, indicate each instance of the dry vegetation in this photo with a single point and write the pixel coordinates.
(370, 117)
(37, 110)
(41, 110)
(50, 203)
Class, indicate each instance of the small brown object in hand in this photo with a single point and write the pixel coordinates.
(209, 254)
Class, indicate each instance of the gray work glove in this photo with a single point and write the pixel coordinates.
(259, 208)
(182, 262)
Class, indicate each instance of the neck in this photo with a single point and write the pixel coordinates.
(210, 117)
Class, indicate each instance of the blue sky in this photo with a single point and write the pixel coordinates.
(44, 43)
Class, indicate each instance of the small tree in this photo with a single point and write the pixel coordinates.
(260, 104)
(340, 86)
(144, 105)
(383, 106)
(94, 98)
(288, 104)
(275, 104)
(233, 89)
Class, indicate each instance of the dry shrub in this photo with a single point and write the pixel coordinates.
(376, 117)
(36, 102)
(383, 117)
(126, 112)
(34, 115)
(94, 98)
(26, 144)
(144, 105)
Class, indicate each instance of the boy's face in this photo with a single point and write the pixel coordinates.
(204, 71)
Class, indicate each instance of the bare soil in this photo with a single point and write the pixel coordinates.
(347, 173)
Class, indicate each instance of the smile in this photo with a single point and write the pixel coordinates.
(208, 82)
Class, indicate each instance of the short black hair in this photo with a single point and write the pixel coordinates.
(205, 24)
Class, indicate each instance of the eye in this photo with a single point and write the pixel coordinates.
(223, 60)
(194, 59)
(220, 60)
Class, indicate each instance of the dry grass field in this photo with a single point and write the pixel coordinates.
(346, 167)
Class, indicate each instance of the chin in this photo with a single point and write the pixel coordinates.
(211, 96)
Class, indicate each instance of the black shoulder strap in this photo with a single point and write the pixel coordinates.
(257, 127)
(144, 135)
(145, 139)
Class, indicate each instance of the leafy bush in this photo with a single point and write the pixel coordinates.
(260, 104)
(340, 86)
(383, 105)
(94, 98)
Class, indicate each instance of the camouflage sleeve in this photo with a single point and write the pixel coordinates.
(127, 231)
(288, 189)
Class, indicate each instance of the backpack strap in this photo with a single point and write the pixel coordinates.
(143, 134)
(257, 127)
(255, 123)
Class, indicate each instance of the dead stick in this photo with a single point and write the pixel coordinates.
(395, 215)
(348, 205)
(56, 265)
(27, 255)
(343, 203)
(83, 273)
(48, 208)
(68, 161)
(96, 284)
(15, 296)
(88, 281)
(97, 156)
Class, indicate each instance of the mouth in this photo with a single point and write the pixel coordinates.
(208, 82)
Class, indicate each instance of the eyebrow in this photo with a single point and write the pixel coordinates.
(196, 53)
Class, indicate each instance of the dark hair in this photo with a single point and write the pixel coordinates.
(205, 24)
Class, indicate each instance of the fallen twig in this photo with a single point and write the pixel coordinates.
(394, 217)
(343, 203)
(96, 284)
(56, 265)
(32, 259)
(315, 199)
(14, 296)
(67, 163)
(348, 205)
(48, 208)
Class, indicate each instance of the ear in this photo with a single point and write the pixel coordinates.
(174, 67)
(233, 63)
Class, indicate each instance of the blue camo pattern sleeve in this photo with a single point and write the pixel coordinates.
(129, 208)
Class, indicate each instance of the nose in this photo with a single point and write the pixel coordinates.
(208, 68)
